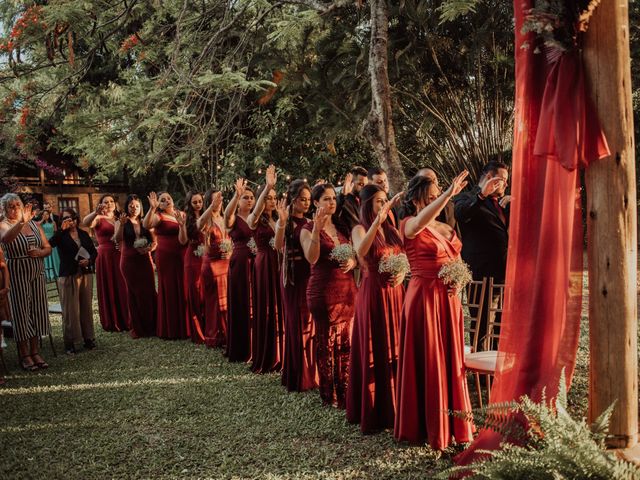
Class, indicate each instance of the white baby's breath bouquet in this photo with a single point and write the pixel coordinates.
(252, 246)
(226, 246)
(455, 274)
(342, 253)
(200, 250)
(395, 264)
(141, 242)
(272, 242)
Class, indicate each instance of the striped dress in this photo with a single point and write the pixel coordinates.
(28, 294)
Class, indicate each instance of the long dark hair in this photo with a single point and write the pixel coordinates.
(391, 235)
(417, 190)
(264, 218)
(129, 233)
(116, 212)
(192, 227)
(293, 192)
(316, 195)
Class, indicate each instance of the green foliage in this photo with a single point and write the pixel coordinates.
(553, 446)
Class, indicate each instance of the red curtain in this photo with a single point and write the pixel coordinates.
(555, 132)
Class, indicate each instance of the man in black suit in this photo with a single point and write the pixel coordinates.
(349, 198)
(483, 218)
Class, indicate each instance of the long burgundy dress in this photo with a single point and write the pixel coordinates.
(214, 281)
(431, 376)
(330, 297)
(193, 287)
(267, 341)
(299, 372)
(374, 347)
(111, 288)
(172, 310)
(137, 271)
(239, 293)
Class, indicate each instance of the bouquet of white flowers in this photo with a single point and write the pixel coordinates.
(394, 265)
(455, 274)
(226, 246)
(272, 242)
(252, 246)
(200, 251)
(342, 253)
(141, 242)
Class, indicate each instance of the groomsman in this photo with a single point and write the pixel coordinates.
(349, 198)
(483, 218)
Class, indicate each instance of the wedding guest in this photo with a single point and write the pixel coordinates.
(330, 293)
(448, 212)
(299, 371)
(483, 217)
(215, 270)
(25, 246)
(136, 245)
(77, 257)
(267, 341)
(349, 200)
(110, 286)
(193, 238)
(49, 225)
(374, 341)
(239, 280)
(169, 255)
(431, 377)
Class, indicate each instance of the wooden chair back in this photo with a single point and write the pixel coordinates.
(472, 303)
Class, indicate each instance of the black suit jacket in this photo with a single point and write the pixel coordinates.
(349, 207)
(485, 237)
(68, 249)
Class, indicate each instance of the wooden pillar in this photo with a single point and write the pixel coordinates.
(611, 220)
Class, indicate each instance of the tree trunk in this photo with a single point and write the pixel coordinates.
(612, 249)
(378, 127)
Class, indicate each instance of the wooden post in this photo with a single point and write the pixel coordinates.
(611, 220)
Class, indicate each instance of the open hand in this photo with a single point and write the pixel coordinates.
(27, 213)
(347, 188)
(216, 200)
(153, 200)
(320, 218)
(283, 211)
(270, 176)
(240, 186)
(458, 183)
(488, 185)
(389, 204)
(181, 218)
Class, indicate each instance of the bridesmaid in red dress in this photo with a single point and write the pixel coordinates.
(111, 288)
(215, 268)
(330, 295)
(299, 371)
(374, 340)
(193, 238)
(136, 245)
(431, 376)
(167, 222)
(267, 341)
(239, 279)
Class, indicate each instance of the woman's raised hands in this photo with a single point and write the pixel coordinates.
(240, 186)
(270, 176)
(458, 183)
(153, 200)
(283, 211)
(389, 204)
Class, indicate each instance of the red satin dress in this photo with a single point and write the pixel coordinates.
(139, 277)
(331, 297)
(239, 294)
(299, 372)
(374, 347)
(215, 271)
(431, 375)
(267, 340)
(193, 289)
(110, 285)
(172, 309)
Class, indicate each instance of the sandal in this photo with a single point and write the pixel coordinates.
(29, 367)
(39, 364)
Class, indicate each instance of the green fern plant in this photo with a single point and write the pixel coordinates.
(552, 446)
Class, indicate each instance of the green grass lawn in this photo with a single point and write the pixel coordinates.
(150, 408)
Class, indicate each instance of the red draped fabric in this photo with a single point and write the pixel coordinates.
(555, 132)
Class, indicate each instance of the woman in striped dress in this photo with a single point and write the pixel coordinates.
(26, 246)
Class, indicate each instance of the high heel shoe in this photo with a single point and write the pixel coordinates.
(29, 367)
(39, 361)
